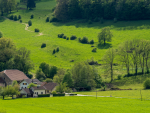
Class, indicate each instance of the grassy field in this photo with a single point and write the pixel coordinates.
(74, 105)
(69, 49)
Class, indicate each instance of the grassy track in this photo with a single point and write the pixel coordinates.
(75, 105)
(69, 50)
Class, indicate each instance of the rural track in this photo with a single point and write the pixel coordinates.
(26, 26)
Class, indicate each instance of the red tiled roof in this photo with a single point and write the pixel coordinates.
(38, 88)
(50, 86)
(15, 75)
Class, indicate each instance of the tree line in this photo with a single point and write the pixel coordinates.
(107, 9)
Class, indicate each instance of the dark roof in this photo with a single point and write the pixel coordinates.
(28, 91)
(33, 80)
(15, 74)
(1, 80)
(50, 86)
(38, 88)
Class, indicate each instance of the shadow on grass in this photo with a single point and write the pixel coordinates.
(120, 25)
(102, 46)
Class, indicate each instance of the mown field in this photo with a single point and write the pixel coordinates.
(74, 105)
(69, 50)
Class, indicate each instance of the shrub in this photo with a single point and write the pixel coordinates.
(30, 23)
(57, 50)
(79, 39)
(94, 49)
(64, 37)
(48, 80)
(44, 95)
(119, 77)
(20, 21)
(53, 9)
(32, 16)
(29, 76)
(147, 84)
(84, 40)
(1, 35)
(73, 37)
(37, 30)
(67, 38)
(60, 35)
(54, 92)
(47, 19)
(43, 45)
(115, 20)
(11, 17)
(89, 22)
(19, 17)
(15, 18)
(54, 51)
(54, 19)
(58, 95)
(92, 42)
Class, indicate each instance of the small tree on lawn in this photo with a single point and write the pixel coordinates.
(31, 85)
(105, 35)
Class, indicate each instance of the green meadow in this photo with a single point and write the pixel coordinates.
(69, 49)
(74, 105)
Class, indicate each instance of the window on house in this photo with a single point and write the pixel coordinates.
(24, 83)
(35, 92)
(25, 87)
(41, 92)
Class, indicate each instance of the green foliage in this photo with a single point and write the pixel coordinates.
(19, 17)
(29, 75)
(31, 4)
(57, 49)
(73, 37)
(102, 20)
(20, 21)
(64, 37)
(105, 35)
(67, 38)
(83, 75)
(84, 40)
(60, 35)
(147, 84)
(94, 49)
(43, 45)
(54, 95)
(40, 75)
(30, 23)
(14, 83)
(61, 88)
(44, 95)
(47, 19)
(54, 92)
(11, 17)
(15, 18)
(32, 85)
(1, 35)
(37, 30)
(32, 16)
(54, 19)
(90, 22)
(54, 51)
(92, 42)
(115, 20)
(48, 80)
(68, 79)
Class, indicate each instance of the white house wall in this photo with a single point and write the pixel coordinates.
(39, 92)
(23, 86)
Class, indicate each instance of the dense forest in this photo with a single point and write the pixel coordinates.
(106, 9)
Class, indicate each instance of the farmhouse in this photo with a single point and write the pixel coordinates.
(10, 75)
(2, 82)
(26, 82)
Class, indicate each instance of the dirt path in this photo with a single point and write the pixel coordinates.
(26, 26)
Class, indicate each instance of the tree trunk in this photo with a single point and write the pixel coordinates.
(3, 97)
(111, 73)
(104, 41)
(136, 69)
(143, 66)
(147, 67)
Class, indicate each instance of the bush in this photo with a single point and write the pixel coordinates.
(84, 40)
(32, 16)
(92, 42)
(54, 92)
(147, 84)
(48, 80)
(94, 49)
(57, 50)
(11, 17)
(30, 23)
(43, 45)
(15, 18)
(89, 22)
(20, 21)
(37, 30)
(96, 19)
(54, 19)
(60, 35)
(67, 38)
(19, 17)
(73, 37)
(29, 76)
(47, 19)
(58, 95)
(64, 37)
(72, 94)
(1, 35)
(115, 20)
(79, 39)
(54, 51)
(44, 95)
(119, 77)
(53, 9)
